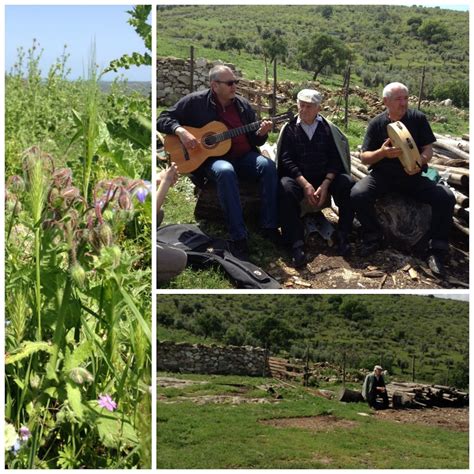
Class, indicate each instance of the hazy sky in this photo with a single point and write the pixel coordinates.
(76, 26)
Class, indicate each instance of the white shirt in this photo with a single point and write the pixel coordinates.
(309, 129)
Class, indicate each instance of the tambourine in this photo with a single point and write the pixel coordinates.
(401, 138)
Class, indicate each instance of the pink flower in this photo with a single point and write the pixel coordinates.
(24, 433)
(105, 401)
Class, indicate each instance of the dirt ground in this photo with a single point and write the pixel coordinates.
(313, 423)
(388, 268)
(456, 419)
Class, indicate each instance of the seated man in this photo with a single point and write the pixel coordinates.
(374, 391)
(243, 161)
(170, 261)
(387, 174)
(314, 163)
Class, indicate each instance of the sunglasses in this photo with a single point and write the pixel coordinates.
(229, 83)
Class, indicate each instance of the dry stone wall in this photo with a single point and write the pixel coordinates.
(173, 77)
(213, 359)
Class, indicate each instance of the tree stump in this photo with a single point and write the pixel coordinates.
(404, 221)
(348, 395)
(401, 400)
(208, 207)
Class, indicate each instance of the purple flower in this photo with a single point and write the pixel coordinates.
(142, 191)
(105, 401)
(24, 433)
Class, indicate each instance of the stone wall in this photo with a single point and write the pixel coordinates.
(173, 77)
(201, 359)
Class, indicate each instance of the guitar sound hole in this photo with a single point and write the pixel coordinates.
(209, 141)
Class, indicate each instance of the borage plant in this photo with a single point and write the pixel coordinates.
(77, 339)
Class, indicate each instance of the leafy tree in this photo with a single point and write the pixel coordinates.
(272, 47)
(138, 20)
(327, 11)
(209, 324)
(354, 310)
(433, 31)
(457, 91)
(323, 51)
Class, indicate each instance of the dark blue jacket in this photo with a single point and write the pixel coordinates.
(199, 108)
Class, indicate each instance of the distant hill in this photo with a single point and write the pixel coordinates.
(369, 329)
(144, 87)
(389, 42)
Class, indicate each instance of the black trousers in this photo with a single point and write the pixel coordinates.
(290, 195)
(374, 401)
(381, 181)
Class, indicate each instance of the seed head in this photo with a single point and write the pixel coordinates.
(78, 275)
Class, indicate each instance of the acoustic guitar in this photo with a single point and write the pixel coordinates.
(401, 138)
(214, 139)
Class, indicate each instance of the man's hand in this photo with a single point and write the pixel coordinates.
(310, 194)
(389, 151)
(265, 127)
(168, 176)
(321, 193)
(187, 138)
(381, 389)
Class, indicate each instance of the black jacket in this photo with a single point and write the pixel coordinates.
(198, 109)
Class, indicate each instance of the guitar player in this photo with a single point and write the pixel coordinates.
(387, 174)
(243, 161)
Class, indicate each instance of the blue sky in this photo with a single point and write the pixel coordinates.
(76, 26)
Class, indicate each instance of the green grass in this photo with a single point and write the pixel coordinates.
(220, 436)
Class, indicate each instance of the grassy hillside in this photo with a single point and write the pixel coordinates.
(388, 42)
(297, 431)
(369, 329)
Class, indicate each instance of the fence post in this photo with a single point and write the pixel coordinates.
(344, 369)
(413, 368)
(191, 80)
(421, 87)
(274, 98)
(346, 97)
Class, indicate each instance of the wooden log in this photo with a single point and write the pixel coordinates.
(357, 174)
(348, 395)
(402, 400)
(451, 169)
(461, 198)
(457, 179)
(461, 212)
(459, 225)
(403, 220)
(208, 207)
(451, 150)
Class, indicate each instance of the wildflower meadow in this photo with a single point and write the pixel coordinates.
(77, 264)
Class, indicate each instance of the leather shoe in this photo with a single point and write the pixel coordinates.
(298, 257)
(436, 264)
(240, 249)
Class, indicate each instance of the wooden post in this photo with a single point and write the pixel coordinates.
(274, 97)
(191, 69)
(421, 87)
(346, 96)
(344, 369)
(413, 368)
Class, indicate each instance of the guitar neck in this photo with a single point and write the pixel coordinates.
(235, 132)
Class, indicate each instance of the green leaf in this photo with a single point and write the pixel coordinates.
(26, 349)
(74, 399)
(78, 356)
(114, 432)
(135, 311)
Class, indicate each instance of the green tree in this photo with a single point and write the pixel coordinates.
(323, 51)
(433, 31)
(273, 46)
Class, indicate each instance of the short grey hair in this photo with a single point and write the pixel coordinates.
(216, 71)
(389, 88)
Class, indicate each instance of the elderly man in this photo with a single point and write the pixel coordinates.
(387, 174)
(220, 102)
(374, 388)
(314, 163)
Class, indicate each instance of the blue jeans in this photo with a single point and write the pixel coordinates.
(226, 174)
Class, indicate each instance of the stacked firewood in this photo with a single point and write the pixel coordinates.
(415, 395)
(451, 160)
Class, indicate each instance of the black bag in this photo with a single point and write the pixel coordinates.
(205, 251)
